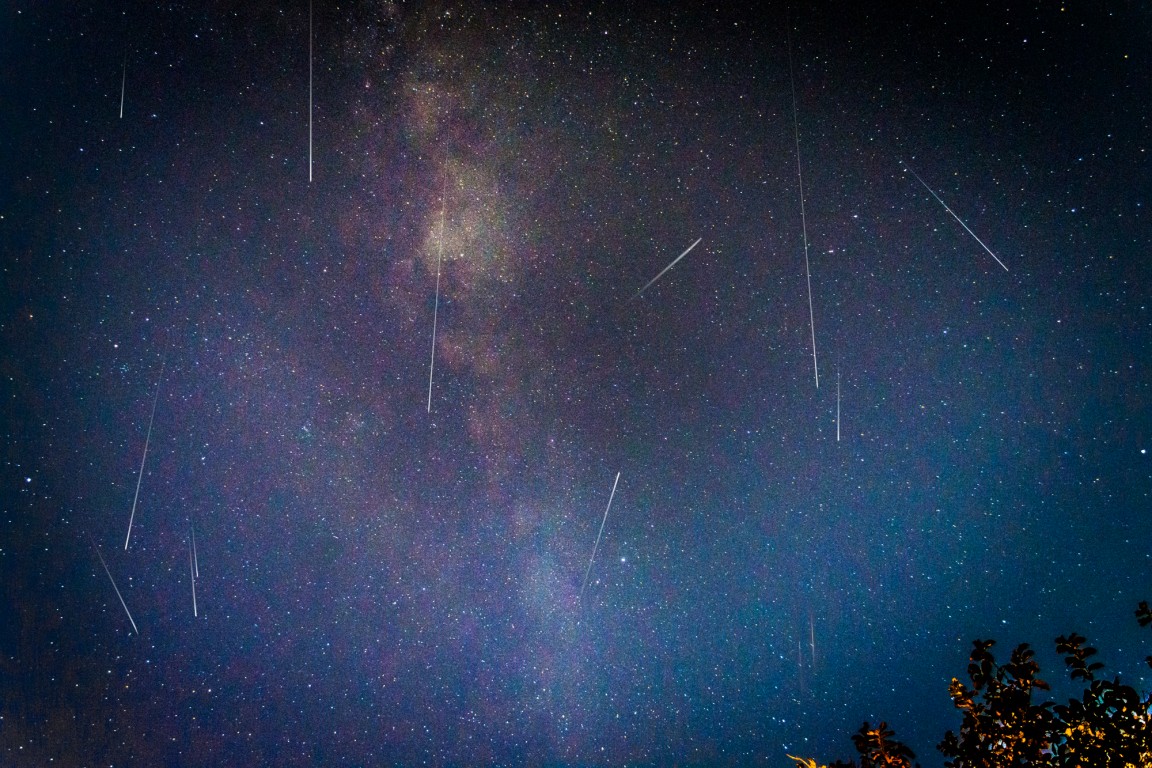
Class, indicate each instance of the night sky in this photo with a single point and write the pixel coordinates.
(384, 584)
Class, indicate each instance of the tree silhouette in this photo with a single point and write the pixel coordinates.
(1002, 726)
(876, 747)
(1109, 726)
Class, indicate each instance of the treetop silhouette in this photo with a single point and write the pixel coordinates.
(1109, 726)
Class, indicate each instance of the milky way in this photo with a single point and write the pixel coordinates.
(273, 203)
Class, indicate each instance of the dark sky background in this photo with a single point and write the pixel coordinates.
(384, 585)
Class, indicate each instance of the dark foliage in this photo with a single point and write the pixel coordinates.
(878, 749)
(1110, 726)
(1002, 725)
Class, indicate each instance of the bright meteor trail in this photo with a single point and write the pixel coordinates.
(668, 267)
(309, 92)
(803, 215)
(595, 546)
(123, 80)
(151, 419)
(192, 575)
(115, 587)
(969, 231)
(436, 307)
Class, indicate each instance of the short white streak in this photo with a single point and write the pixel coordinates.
(115, 587)
(596, 546)
(969, 231)
(668, 267)
(837, 405)
(147, 439)
(309, 91)
(123, 78)
(192, 573)
(195, 556)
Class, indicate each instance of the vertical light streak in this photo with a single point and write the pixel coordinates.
(439, 261)
(147, 439)
(596, 546)
(803, 216)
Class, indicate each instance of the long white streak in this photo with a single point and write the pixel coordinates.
(147, 439)
(123, 79)
(969, 231)
(309, 91)
(195, 556)
(837, 405)
(668, 267)
(192, 573)
(436, 306)
(803, 216)
(115, 587)
(596, 546)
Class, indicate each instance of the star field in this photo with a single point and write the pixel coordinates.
(388, 583)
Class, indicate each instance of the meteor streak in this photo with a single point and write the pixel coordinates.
(966, 229)
(140, 478)
(115, 587)
(123, 79)
(667, 268)
(803, 217)
(439, 260)
(192, 573)
(837, 405)
(309, 91)
(611, 496)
